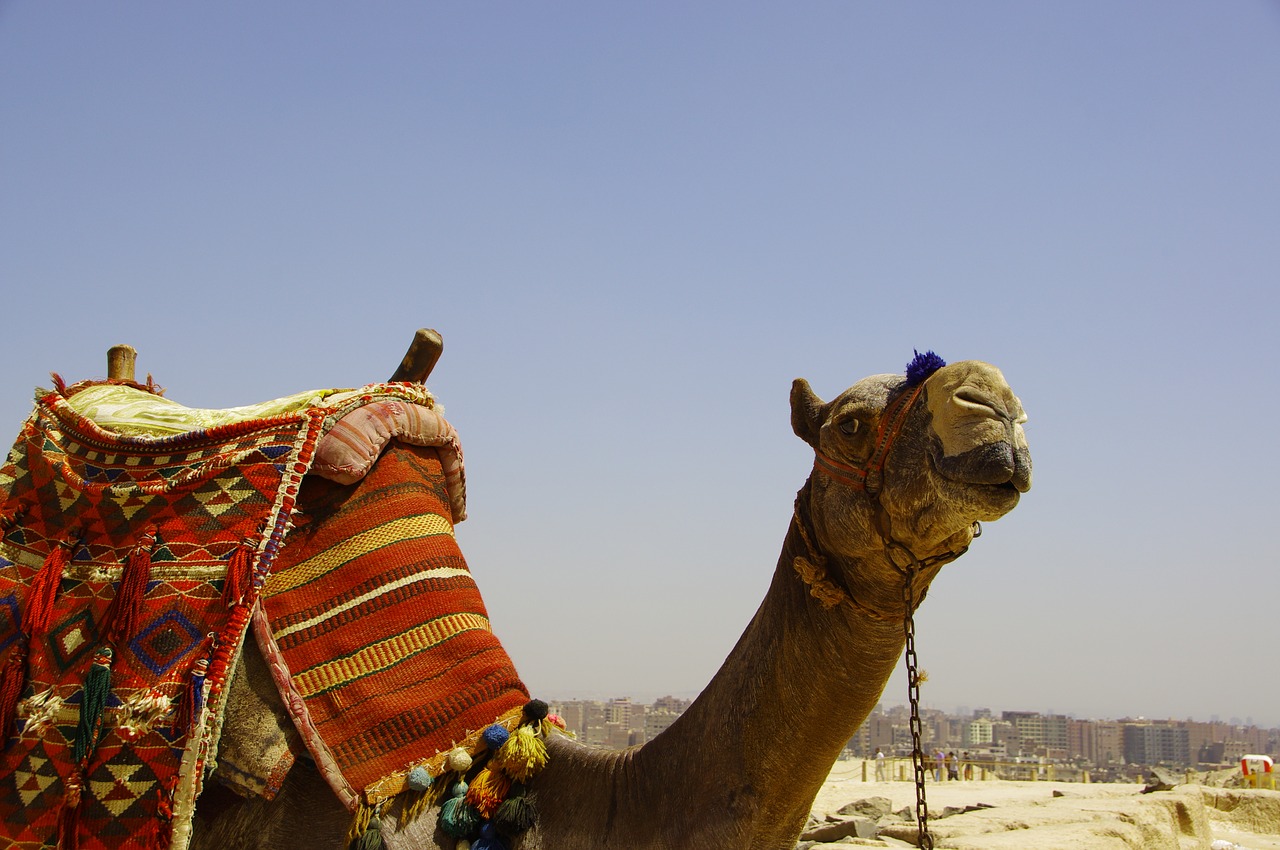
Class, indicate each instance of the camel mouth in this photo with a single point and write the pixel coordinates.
(998, 469)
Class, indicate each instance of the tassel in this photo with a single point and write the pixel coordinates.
(69, 821)
(97, 689)
(237, 583)
(487, 791)
(457, 819)
(124, 611)
(415, 805)
(516, 814)
(36, 617)
(488, 839)
(44, 591)
(523, 755)
(12, 679)
(367, 830)
(191, 704)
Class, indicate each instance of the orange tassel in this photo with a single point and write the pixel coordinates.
(488, 790)
(123, 614)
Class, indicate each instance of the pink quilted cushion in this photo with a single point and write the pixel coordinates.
(351, 446)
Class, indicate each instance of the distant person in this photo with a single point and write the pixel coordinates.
(968, 767)
(879, 765)
(939, 761)
(953, 767)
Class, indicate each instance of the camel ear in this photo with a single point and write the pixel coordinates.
(806, 412)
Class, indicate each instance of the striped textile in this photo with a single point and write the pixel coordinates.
(376, 630)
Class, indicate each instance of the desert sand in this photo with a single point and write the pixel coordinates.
(1060, 815)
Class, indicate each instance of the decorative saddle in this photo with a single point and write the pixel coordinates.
(142, 539)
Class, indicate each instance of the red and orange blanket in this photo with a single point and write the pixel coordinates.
(135, 552)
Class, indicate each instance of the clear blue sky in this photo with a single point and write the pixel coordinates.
(636, 223)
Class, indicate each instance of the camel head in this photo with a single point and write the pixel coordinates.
(904, 470)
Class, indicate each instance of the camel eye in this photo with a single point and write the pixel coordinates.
(849, 427)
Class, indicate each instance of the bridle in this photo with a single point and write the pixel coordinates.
(811, 566)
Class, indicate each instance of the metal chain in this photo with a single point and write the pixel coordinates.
(923, 838)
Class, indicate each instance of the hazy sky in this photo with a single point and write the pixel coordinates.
(635, 224)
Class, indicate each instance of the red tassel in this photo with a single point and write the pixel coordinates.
(236, 585)
(122, 615)
(44, 591)
(36, 618)
(12, 679)
(69, 822)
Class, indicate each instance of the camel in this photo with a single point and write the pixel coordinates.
(904, 471)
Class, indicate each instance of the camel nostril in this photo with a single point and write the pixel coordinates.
(978, 402)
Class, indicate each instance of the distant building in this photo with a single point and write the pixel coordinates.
(1150, 742)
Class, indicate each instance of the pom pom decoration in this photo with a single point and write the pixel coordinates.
(523, 755)
(535, 710)
(922, 366)
(458, 760)
(418, 779)
(495, 736)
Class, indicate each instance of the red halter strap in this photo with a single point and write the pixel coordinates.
(870, 477)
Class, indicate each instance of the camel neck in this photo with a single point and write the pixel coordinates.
(795, 688)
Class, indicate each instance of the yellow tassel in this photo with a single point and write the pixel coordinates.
(360, 822)
(523, 755)
(488, 790)
(416, 803)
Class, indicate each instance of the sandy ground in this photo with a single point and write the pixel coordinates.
(845, 785)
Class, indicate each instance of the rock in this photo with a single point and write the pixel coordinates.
(906, 813)
(869, 807)
(851, 828)
(1058, 793)
(1254, 810)
(1162, 780)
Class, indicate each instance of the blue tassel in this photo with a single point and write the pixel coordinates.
(488, 839)
(458, 819)
(922, 366)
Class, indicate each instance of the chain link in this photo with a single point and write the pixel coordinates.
(923, 838)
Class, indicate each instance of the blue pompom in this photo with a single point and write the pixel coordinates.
(495, 736)
(419, 779)
(922, 366)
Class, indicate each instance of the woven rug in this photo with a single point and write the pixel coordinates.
(149, 547)
(377, 632)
